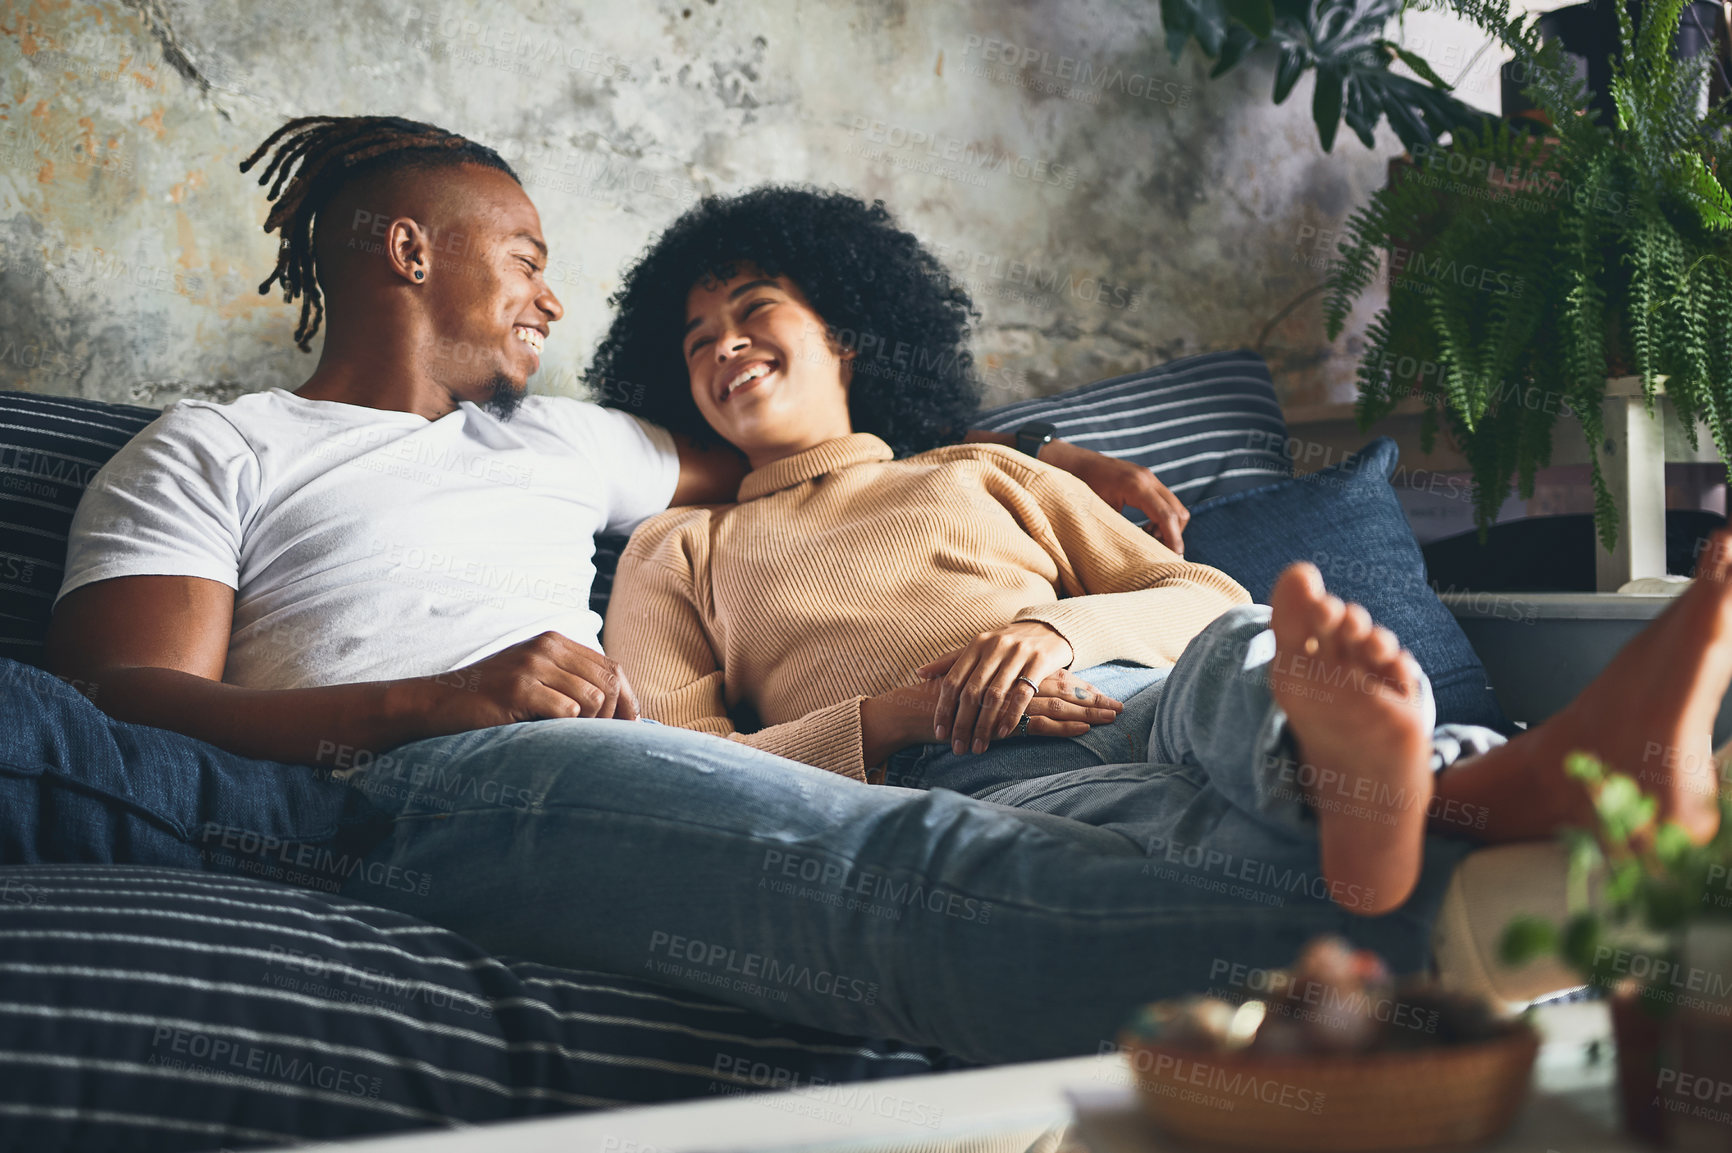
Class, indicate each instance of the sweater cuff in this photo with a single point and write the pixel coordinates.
(1092, 639)
(829, 738)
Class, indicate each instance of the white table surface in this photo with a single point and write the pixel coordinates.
(1078, 1105)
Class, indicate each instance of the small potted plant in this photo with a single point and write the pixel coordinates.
(1651, 925)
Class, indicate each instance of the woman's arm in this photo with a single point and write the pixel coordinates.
(1120, 483)
(657, 631)
(1126, 596)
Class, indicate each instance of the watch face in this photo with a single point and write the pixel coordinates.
(1030, 437)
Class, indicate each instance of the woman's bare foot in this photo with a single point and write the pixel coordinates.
(1351, 695)
(1649, 714)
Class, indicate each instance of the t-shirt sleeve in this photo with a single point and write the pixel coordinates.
(641, 467)
(173, 501)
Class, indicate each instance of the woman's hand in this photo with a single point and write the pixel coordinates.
(983, 694)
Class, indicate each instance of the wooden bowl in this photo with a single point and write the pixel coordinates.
(1440, 1096)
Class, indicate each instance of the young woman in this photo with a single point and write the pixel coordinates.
(842, 570)
(878, 602)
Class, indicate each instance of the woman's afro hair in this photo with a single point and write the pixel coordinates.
(879, 291)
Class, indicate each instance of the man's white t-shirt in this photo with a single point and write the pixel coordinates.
(365, 544)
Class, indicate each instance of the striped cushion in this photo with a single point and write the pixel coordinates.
(50, 447)
(1207, 425)
(155, 1009)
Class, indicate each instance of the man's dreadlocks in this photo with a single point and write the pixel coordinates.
(331, 152)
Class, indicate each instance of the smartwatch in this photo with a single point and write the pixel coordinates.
(1034, 436)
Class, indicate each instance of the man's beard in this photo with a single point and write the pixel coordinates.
(503, 396)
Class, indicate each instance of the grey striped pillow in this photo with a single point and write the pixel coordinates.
(156, 1009)
(50, 447)
(1207, 425)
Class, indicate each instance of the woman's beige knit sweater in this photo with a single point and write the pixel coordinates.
(842, 570)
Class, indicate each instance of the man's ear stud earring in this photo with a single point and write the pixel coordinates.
(1311, 646)
(419, 275)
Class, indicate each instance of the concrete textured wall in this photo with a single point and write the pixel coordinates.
(1108, 209)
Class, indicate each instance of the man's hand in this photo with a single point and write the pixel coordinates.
(1121, 483)
(545, 676)
(983, 693)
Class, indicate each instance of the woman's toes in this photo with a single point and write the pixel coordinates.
(1356, 625)
(1382, 648)
(1299, 605)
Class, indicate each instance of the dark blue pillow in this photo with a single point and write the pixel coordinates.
(1347, 521)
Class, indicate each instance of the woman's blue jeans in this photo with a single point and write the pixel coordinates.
(1014, 905)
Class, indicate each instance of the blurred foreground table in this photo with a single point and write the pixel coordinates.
(1078, 1105)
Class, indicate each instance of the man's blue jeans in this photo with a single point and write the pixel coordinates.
(1079, 880)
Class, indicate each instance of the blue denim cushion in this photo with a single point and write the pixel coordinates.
(1347, 521)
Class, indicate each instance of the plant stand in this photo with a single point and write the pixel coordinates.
(1633, 461)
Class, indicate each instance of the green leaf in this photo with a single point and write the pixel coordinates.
(1326, 106)
(1177, 38)
(1580, 940)
(1258, 16)
(1418, 63)
(1362, 109)
(1710, 198)
(1526, 939)
(1624, 882)
(1672, 844)
(1239, 41)
(1585, 767)
(1179, 18)
(1409, 126)
(1179, 15)
(1288, 69)
(1585, 854)
(1622, 807)
(1211, 26)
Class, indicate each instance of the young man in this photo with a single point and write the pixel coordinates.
(322, 583)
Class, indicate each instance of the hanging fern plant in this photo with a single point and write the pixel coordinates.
(1525, 270)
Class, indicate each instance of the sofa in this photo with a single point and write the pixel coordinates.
(170, 1008)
